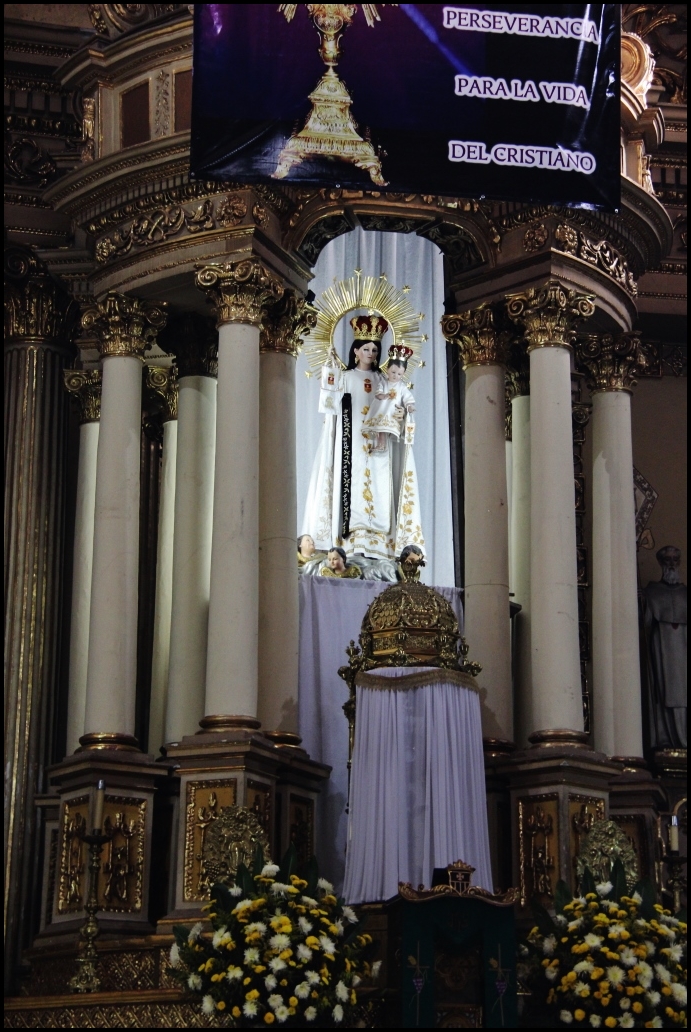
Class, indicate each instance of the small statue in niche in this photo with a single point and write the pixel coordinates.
(337, 565)
(307, 552)
(664, 622)
(410, 562)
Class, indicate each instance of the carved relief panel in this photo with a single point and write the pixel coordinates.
(121, 878)
(301, 826)
(538, 847)
(583, 812)
(203, 802)
(73, 856)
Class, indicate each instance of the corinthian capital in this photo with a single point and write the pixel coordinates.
(239, 291)
(476, 334)
(286, 323)
(162, 385)
(37, 311)
(610, 363)
(549, 314)
(85, 386)
(124, 326)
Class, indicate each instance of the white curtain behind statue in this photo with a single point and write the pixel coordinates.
(407, 260)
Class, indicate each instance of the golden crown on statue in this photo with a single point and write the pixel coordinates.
(400, 353)
(369, 327)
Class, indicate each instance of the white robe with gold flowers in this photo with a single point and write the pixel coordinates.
(384, 505)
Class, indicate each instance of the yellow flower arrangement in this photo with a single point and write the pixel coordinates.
(609, 958)
(284, 949)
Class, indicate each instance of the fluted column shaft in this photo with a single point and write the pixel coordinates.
(611, 364)
(162, 383)
(486, 597)
(86, 386)
(38, 324)
(279, 615)
(125, 327)
(548, 315)
(239, 291)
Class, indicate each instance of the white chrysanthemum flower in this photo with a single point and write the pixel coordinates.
(595, 1020)
(561, 920)
(270, 982)
(573, 925)
(310, 1013)
(625, 1003)
(251, 956)
(249, 1009)
(276, 964)
(593, 941)
(356, 981)
(338, 925)
(325, 885)
(656, 1022)
(255, 926)
(234, 974)
(341, 992)
(628, 957)
(270, 870)
(280, 941)
(350, 915)
(312, 977)
(668, 919)
(326, 944)
(650, 947)
(304, 953)
(581, 989)
(302, 990)
(566, 1017)
(626, 1021)
(551, 974)
(653, 998)
(235, 890)
(282, 1014)
(305, 925)
(279, 889)
(604, 888)
(309, 902)
(615, 975)
(645, 974)
(337, 1011)
(175, 960)
(679, 993)
(583, 965)
(640, 922)
(208, 1005)
(549, 945)
(615, 930)
(376, 968)
(195, 932)
(242, 905)
(194, 981)
(275, 1001)
(675, 953)
(637, 898)
(663, 974)
(218, 935)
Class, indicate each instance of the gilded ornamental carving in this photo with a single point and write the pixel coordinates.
(549, 314)
(85, 386)
(155, 227)
(286, 323)
(232, 840)
(599, 253)
(37, 311)
(611, 363)
(162, 386)
(239, 291)
(477, 336)
(124, 325)
(604, 843)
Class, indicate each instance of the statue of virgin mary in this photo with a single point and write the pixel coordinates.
(363, 493)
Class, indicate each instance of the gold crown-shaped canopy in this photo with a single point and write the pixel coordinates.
(369, 327)
(411, 624)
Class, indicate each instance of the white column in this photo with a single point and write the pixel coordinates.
(278, 579)
(557, 699)
(194, 490)
(112, 667)
(519, 574)
(164, 587)
(125, 327)
(81, 582)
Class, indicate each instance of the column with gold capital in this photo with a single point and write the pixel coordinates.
(282, 329)
(486, 597)
(239, 292)
(162, 385)
(85, 386)
(125, 327)
(549, 315)
(611, 363)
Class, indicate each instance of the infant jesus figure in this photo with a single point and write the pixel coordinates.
(388, 410)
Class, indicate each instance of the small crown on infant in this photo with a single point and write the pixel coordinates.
(400, 352)
(369, 327)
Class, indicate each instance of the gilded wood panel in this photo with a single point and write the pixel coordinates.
(121, 878)
(301, 822)
(203, 803)
(538, 847)
(583, 812)
(73, 855)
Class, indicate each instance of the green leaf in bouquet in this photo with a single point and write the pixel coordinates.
(587, 882)
(258, 865)
(542, 919)
(562, 896)
(181, 933)
(289, 865)
(221, 898)
(312, 876)
(646, 890)
(244, 879)
(618, 878)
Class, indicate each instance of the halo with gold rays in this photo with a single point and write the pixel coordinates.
(376, 296)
